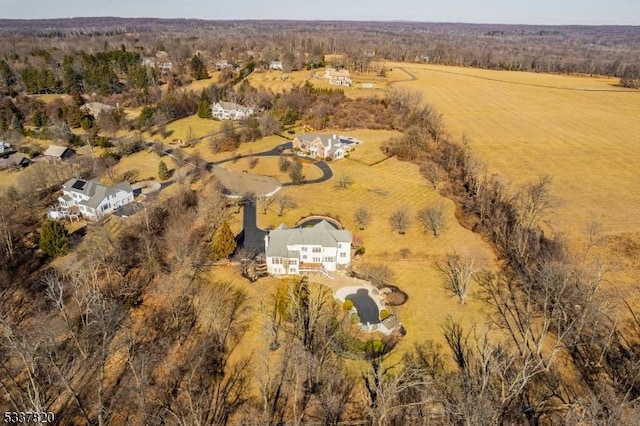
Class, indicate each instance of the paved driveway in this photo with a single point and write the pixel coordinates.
(253, 236)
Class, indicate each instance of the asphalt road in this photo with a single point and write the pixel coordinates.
(327, 173)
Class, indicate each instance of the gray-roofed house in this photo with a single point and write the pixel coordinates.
(96, 108)
(16, 160)
(94, 199)
(230, 111)
(57, 152)
(6, 148)
(321, 248)
(322, 146)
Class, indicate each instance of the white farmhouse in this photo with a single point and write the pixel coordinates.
(94, 199)
(321, 248)
(230, 111)
(275, 65)
(338, 77)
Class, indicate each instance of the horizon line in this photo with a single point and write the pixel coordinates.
(400, 21)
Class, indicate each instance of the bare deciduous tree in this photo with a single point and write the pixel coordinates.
(295, 173)
(432, 219)
(400, 220)
(458, 272)
(379, 274)
(432, 172)
(285, 202)
(534, 202)
(362, 217)
(344, 182)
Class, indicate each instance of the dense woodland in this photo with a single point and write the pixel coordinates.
(120, 331)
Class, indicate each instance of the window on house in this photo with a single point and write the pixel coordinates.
(343, 254)
(304, 257)
(277, 261)
(329, 259)
(304, 248)
(317, 249)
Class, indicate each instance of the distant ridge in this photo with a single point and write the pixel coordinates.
(102, 23)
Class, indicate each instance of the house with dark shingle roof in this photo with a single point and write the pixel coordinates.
(16, 160)
(94, 199)
(320, 248)
(57, 152)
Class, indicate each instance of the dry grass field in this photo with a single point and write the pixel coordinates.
(278, 81)
(582, 131)
(191, 127)
(382, 188)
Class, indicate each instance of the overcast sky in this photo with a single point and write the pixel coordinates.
(597, 12)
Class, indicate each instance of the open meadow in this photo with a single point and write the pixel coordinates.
(582, 131)
(279, 81)
(382, 188)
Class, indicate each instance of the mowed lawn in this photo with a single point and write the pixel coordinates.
(582, 131)
(279, 81)
(382, 188)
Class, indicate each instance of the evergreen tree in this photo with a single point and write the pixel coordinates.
(204, 106)
(54, 239)
(224, 243)
(198, 69)
(16, 124)
(163, 171)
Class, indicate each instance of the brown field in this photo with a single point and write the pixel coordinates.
(383, 188)
(278, 81)
(582, 131)
(190, 127)
(143, 164)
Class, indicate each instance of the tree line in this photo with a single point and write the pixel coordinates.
(130, 334)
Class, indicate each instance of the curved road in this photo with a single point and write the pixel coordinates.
(327, 173)
(253, 237)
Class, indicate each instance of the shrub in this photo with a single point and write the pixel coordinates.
(103, 142)
(54, 239)
(163, 172)
(384, 314)
(355, 318)
(224, 243)
(347, 305)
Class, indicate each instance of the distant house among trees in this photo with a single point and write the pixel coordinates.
(16, 160)
(322, 146)
(223, 64)
(338, 77)
(230, 111)
(96, 108)
(57, 152)
(161, 62)
(91, 199)
(275, 65)
(321, 248)
(6, 148)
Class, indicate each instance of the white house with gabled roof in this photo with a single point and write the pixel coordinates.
(230, 111)
(321, 146)
(320, 248)
(93, 199)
